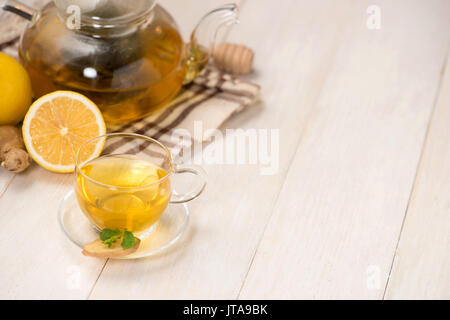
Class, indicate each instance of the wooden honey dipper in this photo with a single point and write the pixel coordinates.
(233, 58)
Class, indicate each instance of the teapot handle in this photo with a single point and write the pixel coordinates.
(19, 8)
(205, 36)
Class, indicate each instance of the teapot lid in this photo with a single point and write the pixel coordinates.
(107, 11)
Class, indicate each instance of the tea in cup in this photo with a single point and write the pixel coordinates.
(128, 187)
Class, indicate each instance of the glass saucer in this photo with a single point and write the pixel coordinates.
(168, 230)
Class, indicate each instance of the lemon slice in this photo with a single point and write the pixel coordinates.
(56, 126)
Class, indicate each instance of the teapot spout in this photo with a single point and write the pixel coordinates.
(206, 35)
(19, 8)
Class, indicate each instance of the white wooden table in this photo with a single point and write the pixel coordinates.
(360, 207)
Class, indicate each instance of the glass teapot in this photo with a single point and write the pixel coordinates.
(127, 56)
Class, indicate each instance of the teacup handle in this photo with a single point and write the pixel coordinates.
(191, 195)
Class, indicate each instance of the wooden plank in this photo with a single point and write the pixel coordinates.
(36, 259)
(293, 58)
(422, 262)
(6, 178)
(337, 220)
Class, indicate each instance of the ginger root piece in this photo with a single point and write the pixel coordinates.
(13, 155)
(234, 58)
(98, 249)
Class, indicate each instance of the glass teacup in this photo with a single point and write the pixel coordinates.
(129, 185)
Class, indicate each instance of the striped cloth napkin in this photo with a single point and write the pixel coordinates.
(210, 100)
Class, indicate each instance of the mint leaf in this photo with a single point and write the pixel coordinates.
(128, 240)
(111, 240)
(109, 236)
(108, 233)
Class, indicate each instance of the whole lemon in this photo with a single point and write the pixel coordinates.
(15, 91)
